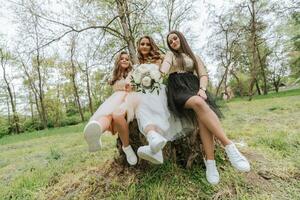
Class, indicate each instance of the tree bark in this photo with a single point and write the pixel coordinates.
(31, 106)
(122, 6)
(239, 84)
(185, 151)
(40, 90)
(263, 72)
(253, 68)
(257, 87)
(73, 77)
(4, 59)
(89, 93)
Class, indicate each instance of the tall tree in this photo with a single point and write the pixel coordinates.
(5, 57)
(73, 74)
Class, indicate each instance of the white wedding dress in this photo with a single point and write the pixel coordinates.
(153, 110)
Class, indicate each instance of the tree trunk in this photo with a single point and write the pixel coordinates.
(276, 88)
(250, 93)
(15, 122)
(239, 84)
(253, 68)
(73, 76)
(33, 88)
(77, 99)
(8, 110)
(276, 84)
(40, 85)
(257, 87)
(89, 91)
(186, 151)
(31, 106)
(263, 73)
(122, 6)
(219, 85)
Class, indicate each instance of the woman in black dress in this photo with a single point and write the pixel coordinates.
(188, 97)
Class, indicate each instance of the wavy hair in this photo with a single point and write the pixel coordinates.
(154, 54)
(116, 71)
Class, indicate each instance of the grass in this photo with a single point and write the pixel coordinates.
(54, 164)
(272, 94)
(39, 134)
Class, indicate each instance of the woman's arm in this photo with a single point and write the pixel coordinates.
(202, 73)
(167, 63)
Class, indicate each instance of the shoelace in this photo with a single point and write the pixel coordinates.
(236, 155)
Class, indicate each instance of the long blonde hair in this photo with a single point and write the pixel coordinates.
(117, 72)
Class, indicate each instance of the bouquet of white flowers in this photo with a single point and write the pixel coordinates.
(146, 78)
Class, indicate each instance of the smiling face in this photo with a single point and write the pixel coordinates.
(174, 41)
(144, 47)
(124, 61)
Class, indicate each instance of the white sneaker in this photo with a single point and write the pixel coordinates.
(156, 141)
(236, 158)
(92, 132)
(130, 155)
(212, 174)
(145, 153)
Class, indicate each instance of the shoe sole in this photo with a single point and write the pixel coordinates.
(92, 136)
(133, 155)
(148, 158)
(212, 182)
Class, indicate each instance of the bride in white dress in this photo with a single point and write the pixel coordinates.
(153, 116)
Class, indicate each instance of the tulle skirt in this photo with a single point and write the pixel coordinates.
(119, 100)
(181, 87)
(153, 110)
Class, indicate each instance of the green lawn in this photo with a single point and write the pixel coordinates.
(55, 164)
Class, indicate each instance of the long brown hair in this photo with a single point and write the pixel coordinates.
(117, 72)
(184, 48)
(154, 54)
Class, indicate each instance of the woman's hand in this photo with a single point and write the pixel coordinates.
(128, 87)
(202, 94)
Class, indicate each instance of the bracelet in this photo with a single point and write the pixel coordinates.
(202, 88)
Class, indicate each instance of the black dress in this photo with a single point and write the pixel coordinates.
(184, 85)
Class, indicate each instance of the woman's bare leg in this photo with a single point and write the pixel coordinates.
(121, 126)
(207, 117)
(207, 141)
(105, 122)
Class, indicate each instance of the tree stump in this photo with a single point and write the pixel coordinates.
(186, 151)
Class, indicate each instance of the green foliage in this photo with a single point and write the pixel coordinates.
(240, 88)
(30, 125)
(4, 129)
(71, 110)
(70, 120)
(54, 154)
(294, 33)
(55, 110)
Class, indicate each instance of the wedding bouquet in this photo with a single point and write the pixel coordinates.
(146, 78)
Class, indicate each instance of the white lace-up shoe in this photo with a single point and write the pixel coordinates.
(212, 174)
(156, 141)
(236, 158)
(92, 133)
(145, 153)
(130, 155)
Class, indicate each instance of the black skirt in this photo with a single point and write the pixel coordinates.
(181, 87)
